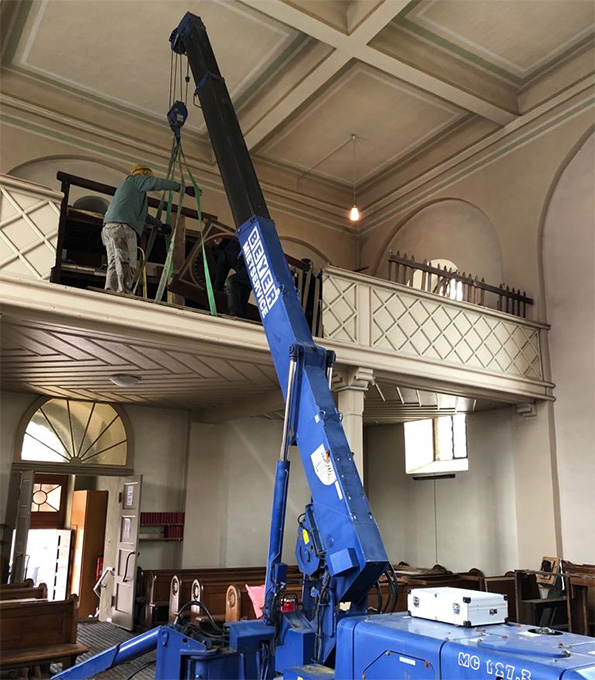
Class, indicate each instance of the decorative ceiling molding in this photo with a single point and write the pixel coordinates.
(425, 115)
(564, 27)
(53, 126)
(272, 42)
(356, 46)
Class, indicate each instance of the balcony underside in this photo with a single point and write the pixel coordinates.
(63, 341)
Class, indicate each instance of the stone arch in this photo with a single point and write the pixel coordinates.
(568, 244)
(449, 229)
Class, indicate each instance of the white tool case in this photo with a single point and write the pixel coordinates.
(458, 606)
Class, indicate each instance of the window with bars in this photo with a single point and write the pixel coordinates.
(75, 433)
(436, 445)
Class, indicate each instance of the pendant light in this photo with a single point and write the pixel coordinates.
(354, 213)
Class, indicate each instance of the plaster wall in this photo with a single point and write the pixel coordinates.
(231, 476)
(568, 250)
(456, 231)
(12, 409)
(510, 188)
(469, 521)
(36, 154)
(160, 444)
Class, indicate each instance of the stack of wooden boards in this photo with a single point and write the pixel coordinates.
(35, 632)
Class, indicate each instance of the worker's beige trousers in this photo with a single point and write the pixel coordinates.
(119, 240)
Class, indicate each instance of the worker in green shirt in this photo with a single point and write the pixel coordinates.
(124, 222)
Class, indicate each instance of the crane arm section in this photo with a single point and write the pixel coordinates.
(347, 531)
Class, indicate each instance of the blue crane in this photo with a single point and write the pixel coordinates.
(339, 549)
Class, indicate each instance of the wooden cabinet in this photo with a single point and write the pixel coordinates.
(88, 517)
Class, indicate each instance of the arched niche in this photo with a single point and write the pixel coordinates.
(450, 230)
(569, 283)
(43, 171)
(300, 250)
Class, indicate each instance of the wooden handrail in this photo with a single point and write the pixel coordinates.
(99, 187)
(401, 268)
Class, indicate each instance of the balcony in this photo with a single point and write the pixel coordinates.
(430, 339)
(408, 338)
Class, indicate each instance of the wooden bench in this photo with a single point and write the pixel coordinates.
(39, 592)
(27, 583)
(36, 633)
(157, 584)
(238, 605)
(182, 585)
(580, 579)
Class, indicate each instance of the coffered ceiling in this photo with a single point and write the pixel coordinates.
(404, 76)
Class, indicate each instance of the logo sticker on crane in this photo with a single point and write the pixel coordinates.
(323, 467)
(265, 290)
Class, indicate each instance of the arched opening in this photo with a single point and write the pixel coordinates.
(568, 246)
(77, 434)
(450, 230)
(65, 449)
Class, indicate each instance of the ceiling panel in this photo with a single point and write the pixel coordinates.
(515, 39)
(389, 118)
(119, 52)
(221, 383)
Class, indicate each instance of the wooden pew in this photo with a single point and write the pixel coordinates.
(238, 605)
(504, 585)
(27, 583)
(39, 592)
(182, 585)
(36, 633)
(157, 586)
(580, 579)
(531, 608)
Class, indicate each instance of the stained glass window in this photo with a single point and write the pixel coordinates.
(75, 432)
(46, 498)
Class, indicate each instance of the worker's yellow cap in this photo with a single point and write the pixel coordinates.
(141, 170)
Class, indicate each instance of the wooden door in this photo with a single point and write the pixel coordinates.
(87, 519)
(126, 553)
(23, 518)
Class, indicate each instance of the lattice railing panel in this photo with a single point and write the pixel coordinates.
(454, 334)
(339, 304)
(29, 217)
(373, 313)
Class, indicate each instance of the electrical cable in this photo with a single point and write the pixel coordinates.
(380, 598)
(142, 668)
(198, 603)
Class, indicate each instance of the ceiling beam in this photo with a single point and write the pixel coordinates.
(355, 46)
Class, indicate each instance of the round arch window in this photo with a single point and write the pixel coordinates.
(75, 432)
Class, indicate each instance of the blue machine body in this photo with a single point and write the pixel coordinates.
(339, 548)
(399, 646)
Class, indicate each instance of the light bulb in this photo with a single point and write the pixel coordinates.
(354, 214)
